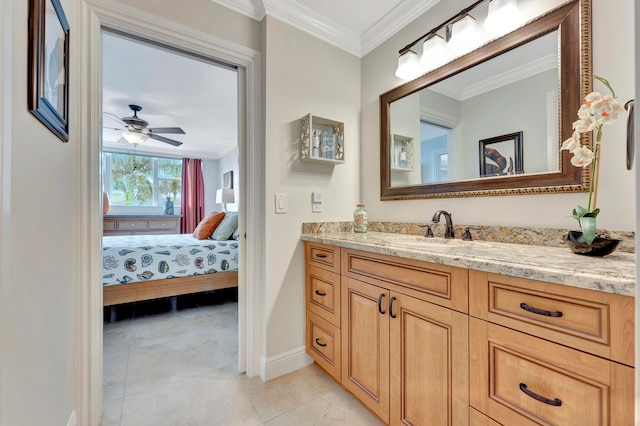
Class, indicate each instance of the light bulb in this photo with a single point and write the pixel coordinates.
(435, 53)
(409, 66)
(465, 35)
(503, 16)
(135, 138)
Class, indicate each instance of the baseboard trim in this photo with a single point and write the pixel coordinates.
(284, 363)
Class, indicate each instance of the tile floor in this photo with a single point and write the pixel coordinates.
(180, 368)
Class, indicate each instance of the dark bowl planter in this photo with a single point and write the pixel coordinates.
(601, 246)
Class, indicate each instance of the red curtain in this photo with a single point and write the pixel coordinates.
(192, 206)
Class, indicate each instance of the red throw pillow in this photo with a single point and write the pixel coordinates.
(207, 225)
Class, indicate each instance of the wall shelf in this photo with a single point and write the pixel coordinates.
(401, 161)
(321, 140)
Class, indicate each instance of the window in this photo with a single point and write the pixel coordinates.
(137, 180)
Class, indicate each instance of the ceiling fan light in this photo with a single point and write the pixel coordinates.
(135, 138)
(435, 53)
(409, 66)
(503, 16)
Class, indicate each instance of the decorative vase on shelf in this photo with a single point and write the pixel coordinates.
(360, 221)
(168, 206)
(602, 245)
(105, 203)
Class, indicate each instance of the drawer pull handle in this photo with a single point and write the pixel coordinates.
(556, 314)
(555, 402)
(320, 344)
(321, 256)
(380, 304)
(391, 314)
(319, 293)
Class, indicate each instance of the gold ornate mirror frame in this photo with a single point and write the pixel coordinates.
(573, 22)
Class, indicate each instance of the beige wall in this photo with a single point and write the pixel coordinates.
(205, 16)
(612, 26)
(302, 75)
(36, 276)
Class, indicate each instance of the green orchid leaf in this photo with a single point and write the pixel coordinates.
(581, 211)
(588, 225)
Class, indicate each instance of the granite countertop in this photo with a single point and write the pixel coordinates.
(614, 273)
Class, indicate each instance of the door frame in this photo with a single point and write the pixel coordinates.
(88, 295)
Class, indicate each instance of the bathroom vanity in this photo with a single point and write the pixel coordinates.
(450, 332)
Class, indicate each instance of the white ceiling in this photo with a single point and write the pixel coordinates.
(177, 90)
(173, 90)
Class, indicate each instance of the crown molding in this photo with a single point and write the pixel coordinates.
(398, 18)
(254, 9)
(323, 28)
(521, 72)
(319, 26)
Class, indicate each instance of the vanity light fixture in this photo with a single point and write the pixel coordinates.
(135, 138)
(503, 16)
(435, 52)
(409, 66)
(462, 34)
(465, 35)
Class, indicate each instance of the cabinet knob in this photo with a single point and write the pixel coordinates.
(320, 344)
(320, 293)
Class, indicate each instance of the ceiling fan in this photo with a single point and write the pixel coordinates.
(135, 131)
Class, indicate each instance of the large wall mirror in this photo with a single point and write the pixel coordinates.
(492, 122)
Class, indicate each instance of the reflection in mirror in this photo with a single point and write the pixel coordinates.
(435, 130)
(442, 125)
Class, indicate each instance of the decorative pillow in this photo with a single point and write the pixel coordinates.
(236, 234)
(207, 225)
(226, 227)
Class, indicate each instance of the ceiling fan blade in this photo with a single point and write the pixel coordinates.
(115, 118)
(165, 140)
(174, 130)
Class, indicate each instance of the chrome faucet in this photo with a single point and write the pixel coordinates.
(447, 217)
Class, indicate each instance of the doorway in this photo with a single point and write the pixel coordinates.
(251, 166)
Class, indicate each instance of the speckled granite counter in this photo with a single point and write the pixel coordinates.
(614, 273)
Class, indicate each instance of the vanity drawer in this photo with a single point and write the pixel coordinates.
(323, 256)
(132, 224)
(440, 284)
(323, 294)
(323, 344)
(532, 381)
(596, 322)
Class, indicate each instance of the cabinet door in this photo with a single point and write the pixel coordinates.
(365, 344)
(428, 364)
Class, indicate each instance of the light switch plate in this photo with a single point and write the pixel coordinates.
(316, 208)
(281, 203)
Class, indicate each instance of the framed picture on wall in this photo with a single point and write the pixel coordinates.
(227, 180)
(501, 155)
(48, 64)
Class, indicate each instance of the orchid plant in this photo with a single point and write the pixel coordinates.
(594, 113)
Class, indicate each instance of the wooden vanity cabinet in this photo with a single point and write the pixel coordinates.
(323, 337)
(549, 354)
(405, 358)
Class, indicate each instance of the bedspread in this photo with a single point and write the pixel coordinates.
(133, 258)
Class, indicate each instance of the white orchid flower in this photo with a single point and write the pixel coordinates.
(591, 98)
(582, 157)
(572, 143)
(585, 124)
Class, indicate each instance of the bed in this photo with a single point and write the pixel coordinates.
(144, 267)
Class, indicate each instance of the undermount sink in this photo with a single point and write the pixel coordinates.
(418, 240)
